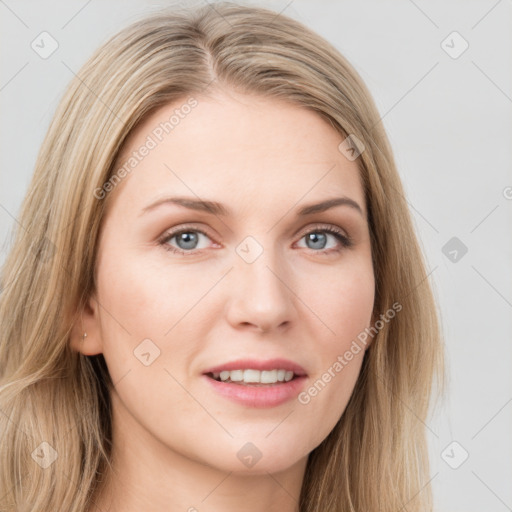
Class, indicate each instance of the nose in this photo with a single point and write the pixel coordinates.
(261, 295)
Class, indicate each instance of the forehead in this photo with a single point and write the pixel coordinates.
(241, 149)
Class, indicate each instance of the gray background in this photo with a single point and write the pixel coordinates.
(450, 124)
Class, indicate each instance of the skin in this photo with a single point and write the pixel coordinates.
(175, 439)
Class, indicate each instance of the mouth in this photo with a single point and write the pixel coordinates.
(253, 377)
(257, 383)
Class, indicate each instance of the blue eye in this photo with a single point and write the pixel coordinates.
(318, 238)
(188, 238)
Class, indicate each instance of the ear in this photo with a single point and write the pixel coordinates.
(86, 332)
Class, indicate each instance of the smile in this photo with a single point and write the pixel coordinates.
(251, 376)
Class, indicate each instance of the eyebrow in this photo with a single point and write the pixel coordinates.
(221, 210)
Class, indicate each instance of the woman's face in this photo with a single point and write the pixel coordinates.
(187, 290)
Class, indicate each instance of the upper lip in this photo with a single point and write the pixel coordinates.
(255, 364)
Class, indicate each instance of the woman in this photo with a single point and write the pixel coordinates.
(218, 301)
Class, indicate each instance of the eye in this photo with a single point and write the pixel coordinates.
(187, 240)
(317, 239)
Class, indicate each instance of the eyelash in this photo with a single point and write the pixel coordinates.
(346, 241)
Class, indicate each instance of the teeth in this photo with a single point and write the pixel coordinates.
(268, 376)
(236, 375)
(254, 376)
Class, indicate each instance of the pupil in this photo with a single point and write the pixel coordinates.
(189, 239)
(314, 237)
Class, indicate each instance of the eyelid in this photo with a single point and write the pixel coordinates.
(181, 229)
(185, 227)
(320, 226)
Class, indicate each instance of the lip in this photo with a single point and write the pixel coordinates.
(261, 396)
(257, 395)
(254, 364)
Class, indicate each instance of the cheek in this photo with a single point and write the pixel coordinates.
(346, 309)
(143, 313)
(350, 312)
(142, 325)
(146, 297)
(353, 307)
(343, 300)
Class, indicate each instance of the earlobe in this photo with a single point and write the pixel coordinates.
(86, 345)
(86, 335)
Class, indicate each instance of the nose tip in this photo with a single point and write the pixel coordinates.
(260, 299)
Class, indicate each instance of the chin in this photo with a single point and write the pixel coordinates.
(259, 458)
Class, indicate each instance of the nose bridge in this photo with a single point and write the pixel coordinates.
(260, 290)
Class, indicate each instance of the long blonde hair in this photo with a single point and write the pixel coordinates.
(376, 458)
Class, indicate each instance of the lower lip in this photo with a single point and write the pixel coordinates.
(269, 395)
